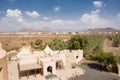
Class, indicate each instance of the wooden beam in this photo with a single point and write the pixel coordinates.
(35, 73)
(28, 73)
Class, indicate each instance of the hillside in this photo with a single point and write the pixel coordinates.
(28, 30)
(103, 30)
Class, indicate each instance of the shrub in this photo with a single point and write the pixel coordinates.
(110, 37)
(38, 42)
(107, 59)
(116, 41)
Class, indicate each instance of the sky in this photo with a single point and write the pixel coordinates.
(59, 14)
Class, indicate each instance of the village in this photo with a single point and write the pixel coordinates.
(47, 62)
(59, 39)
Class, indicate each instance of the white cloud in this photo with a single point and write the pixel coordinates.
(14, 20)
(46, 18)
(32, 14)
(57, 8)
(96, 12)
(11, 24)
(98, 4)
(13, 13)
(57, 21)
(93, 20)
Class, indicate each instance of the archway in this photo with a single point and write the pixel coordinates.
(59, 64)
(49, 69)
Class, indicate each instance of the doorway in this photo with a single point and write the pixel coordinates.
(49, 69)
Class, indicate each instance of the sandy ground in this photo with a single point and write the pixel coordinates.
(61, 74)
(69, 72)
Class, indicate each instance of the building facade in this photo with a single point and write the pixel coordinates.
(48, 61)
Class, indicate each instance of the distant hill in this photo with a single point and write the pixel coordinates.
(102, 30)
(46, 29)
(28, 30)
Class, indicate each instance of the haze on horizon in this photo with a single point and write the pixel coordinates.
(59, 14)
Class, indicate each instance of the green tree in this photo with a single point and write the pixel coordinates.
(38, 42)
(42, 47)
(77, 42)
(58, 44)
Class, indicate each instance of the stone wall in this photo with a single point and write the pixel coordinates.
(3, 68)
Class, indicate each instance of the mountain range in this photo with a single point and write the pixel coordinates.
(96, 30)
(102, 30)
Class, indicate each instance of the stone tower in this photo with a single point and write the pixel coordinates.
(3, 64)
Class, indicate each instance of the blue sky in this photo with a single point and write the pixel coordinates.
(59, 14)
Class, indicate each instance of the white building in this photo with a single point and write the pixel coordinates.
(47, 60)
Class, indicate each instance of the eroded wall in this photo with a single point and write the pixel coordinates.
(3, 68)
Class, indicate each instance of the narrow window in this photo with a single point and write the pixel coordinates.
(77, 57)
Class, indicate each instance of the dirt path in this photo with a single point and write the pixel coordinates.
(108, 47)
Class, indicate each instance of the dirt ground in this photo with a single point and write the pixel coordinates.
(15, 41)
(109, 47)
